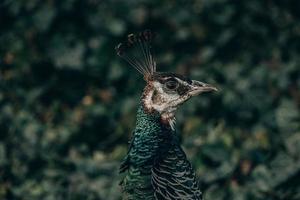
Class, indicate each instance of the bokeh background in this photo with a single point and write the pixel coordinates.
(68, 103)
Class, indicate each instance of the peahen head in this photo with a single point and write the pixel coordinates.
(164, 92)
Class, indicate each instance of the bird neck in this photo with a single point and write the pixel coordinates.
(151, 141)
(149, 123)
(151, 136)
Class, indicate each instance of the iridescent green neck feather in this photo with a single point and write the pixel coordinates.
(150, 139)
(155, 163)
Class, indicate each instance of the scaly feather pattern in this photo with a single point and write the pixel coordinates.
(155, 166)
(173, 176)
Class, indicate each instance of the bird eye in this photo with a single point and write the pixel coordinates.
(171, 84)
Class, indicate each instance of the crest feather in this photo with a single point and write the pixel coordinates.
(137, 52)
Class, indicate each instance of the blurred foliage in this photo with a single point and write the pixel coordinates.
(68, 103)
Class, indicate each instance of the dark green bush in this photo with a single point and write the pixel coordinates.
(68, 103)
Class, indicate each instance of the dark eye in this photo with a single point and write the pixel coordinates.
(171, 84)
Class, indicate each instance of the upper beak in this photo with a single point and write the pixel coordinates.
(199, 87)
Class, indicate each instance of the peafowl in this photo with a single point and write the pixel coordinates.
(155, 166)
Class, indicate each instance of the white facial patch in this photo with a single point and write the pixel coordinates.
(166, 97)
(164, 101)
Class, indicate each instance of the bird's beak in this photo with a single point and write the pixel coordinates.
(198, 87)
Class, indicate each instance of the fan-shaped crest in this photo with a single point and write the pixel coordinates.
(137, 52)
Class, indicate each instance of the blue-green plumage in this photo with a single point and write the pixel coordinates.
(155, 166)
